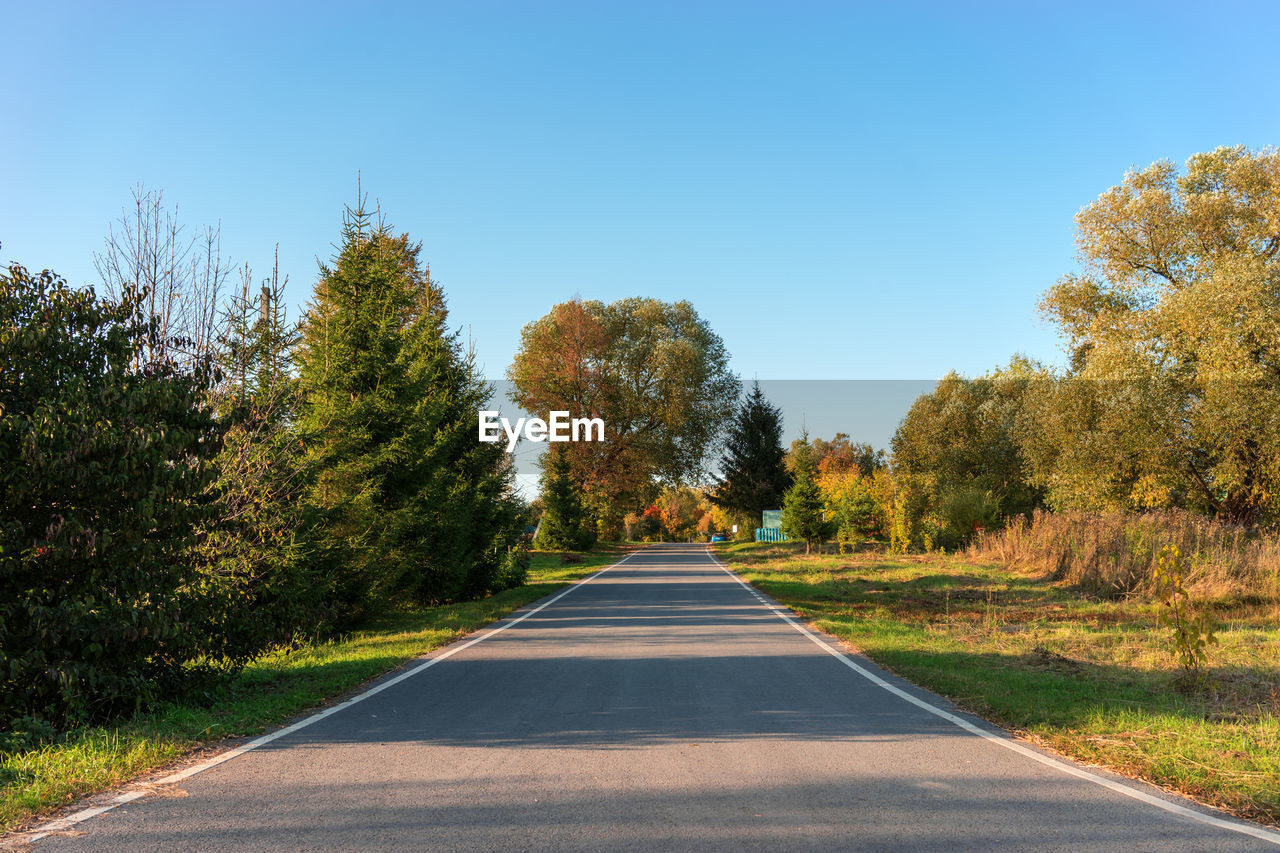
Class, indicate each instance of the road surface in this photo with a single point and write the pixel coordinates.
(660, 705)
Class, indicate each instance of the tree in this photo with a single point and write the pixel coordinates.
(654, 372)
(405, 501)
(680, 509)
(841, 454)
(262, 589)
(752, 475)
(802, 507)
(1171, 398)
(850, 503)
(178, 276)
(565, 525)
(107, 454)
(959, 448)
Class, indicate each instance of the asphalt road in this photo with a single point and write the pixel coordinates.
(661, 705)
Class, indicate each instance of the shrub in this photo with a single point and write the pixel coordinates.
(964, 513)
(103, 490)
(1192, 633)
(514, 569)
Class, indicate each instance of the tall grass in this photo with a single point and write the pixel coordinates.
(1113, 553)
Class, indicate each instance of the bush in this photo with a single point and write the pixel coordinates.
(964, 513)
(102, 492)
(513, 571)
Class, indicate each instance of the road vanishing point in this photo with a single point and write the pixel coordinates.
(661, 704)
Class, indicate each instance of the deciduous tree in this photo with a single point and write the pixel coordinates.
(107, 454)
(1173, 396)
(655, 373)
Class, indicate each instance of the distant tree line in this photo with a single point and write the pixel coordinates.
(189, 479)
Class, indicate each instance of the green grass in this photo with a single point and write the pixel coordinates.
(1094, 679)
(266, 693)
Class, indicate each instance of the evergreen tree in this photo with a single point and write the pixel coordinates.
(406, 502)
(252, 563)
(753, 476)
(802, 508)
(565, 522)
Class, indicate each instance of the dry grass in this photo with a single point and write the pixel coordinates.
(1094, 677)
(1113, 553)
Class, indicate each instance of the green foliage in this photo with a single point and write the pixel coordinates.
(654, 372)
(963, 513)
(960, 449)
(803, 506)
(514, 569)
(103, 490)
(1191, 633)
(566, 524)
(404, 502)
(1173, 394)
(262, 592)
(752, 476)
(851, 505)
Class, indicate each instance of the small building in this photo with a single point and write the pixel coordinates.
(770, 529)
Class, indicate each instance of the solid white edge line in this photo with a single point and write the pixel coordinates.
(449, 651)
(1003, 740)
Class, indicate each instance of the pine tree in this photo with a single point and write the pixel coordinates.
(753, 477)
(802, 508)
(565, 522)
(406, 502)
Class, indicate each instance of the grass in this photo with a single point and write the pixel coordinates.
(266, 693)
(1092, 678)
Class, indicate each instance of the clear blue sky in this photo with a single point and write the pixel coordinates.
(843, 190)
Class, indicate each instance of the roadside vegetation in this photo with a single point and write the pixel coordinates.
(212, 517)
(1096, 678)
(41, 770)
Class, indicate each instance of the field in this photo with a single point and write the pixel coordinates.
(1093, 678)
(271, 690)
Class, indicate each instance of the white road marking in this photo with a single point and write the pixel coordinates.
(1007, 742)
(85, 814)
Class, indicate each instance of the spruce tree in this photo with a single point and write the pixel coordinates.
(266, 592)
(405, 501)
(802, 508)
(753, 477)
(565, 523)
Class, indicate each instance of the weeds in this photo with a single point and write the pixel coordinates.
(1192, 634)
(1115, 553)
